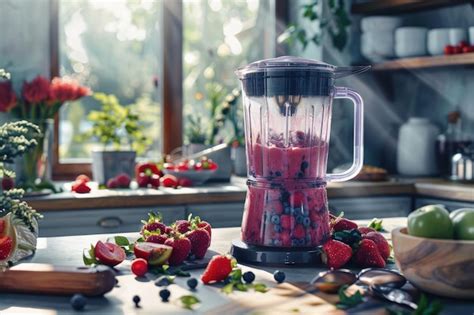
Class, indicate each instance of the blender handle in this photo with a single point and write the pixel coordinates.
(343, 92)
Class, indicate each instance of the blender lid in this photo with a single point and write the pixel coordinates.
(290, 64)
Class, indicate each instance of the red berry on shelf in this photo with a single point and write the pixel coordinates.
(463, 43)
(143, 180)
(169, 180)
(154, 180)
(83, 178)
(139, 267)
(182, 166)
(8, 183)
(80, 187)
(112, 183)
(457, 50)
(448, 50)
(123, 180)
(468, 49)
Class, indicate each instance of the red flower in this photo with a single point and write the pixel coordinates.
(63, 90)
(37, 90)
(7, 96)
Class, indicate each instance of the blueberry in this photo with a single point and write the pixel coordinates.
(78, 302)
(304, 165)
(275, 219)
(165, 294)
(306, 221)
(277, 228)
(248, 277)
(279, 276)
(287, 210)
(314, 225)
(299, 219)
(294, 242)
(136, 299)
(163, 281)
(278, 173)
(192, 283)
(301, 242)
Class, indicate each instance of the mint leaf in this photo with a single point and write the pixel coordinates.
(90, 259)
(240, 287)
(346, 301)
(260, 287)
(427, 308)
(376, 224)
(189, 301)
(228, 288)
(121, 241)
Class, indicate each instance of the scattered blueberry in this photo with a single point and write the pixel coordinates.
(248, 276)
(163, 281)
(275, 219)
(287, 210)
(192, 283)
(306, 221)
(136, 300)
(279, 276)
(165, 294)
(78, 302)
(277, 228)
(299, 219)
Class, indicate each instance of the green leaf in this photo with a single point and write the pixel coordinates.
(189, 301)
(228, 288)
(90, 258)
(240, 287)
(165, 267)
(376, 224)
(260, 287)
(427, 308)
(181, 273)
(121, 241)
(346, 301)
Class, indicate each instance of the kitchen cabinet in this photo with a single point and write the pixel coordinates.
(371, 207)
(219, 214)
(449, 204)
(121, 220)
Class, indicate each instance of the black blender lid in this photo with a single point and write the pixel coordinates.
(288, 75)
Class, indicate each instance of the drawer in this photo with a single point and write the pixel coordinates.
(78, 222)
(449, 204)
(368, 208)
(220, 214)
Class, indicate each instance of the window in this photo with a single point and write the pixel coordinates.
(135, 50)
(114, 48)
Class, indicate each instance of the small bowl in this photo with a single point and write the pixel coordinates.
(197, 177)
(442, 267)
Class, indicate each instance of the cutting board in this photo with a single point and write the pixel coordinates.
(56, 280)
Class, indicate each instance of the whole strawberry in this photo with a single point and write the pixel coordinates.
(123, 180)
(181, 248)
(336, 254)
(8, 183)
(218, 268)
(343, 224)
(367, 255)
(80, 187)
(153, 224)
(182, 226)
(381, 242)
(155, 237)
(200, 242)
(364, 230)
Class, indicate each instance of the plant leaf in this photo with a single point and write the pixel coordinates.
(376, 224)
(346, 301)
(260, 287)
(189, 301)
(228, 288)
(121, 240)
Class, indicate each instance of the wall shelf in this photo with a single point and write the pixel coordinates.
(401, 6)
(426, 62)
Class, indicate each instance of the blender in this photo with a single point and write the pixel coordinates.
(287, 116)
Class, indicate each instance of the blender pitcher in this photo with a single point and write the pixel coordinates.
(287, 115)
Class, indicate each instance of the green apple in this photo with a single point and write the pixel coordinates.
(463, 222)
(431, 221)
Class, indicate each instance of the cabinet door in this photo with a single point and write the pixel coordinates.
(370, 207)
(77, 222)
(219, 214)
(449, 204)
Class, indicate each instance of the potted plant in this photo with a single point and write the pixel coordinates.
(18, 220)
(39, 103)
(118, 129)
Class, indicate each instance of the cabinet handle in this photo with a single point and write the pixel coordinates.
(110, 222)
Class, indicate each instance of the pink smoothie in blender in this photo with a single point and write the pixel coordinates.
(287, 113)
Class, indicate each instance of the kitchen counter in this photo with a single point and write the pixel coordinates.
(68, 251)
(235, 191)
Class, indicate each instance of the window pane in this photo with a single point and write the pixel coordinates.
(113, 47)
(220, 36)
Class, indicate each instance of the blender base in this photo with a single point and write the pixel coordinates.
(274, 256)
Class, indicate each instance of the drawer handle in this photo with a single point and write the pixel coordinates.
(110, 222)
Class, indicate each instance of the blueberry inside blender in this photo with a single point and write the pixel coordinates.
(287, 113)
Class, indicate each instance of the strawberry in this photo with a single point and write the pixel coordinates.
(299, 232)
(123, 180)
(153, 224)
(218, 268)
(182, 226)
(343, 224)
(169, 180)
(109, 254)
(364, 230)
(181, 248)
(285, 238)
(2, 226)
(367, 255)
(6, 246)
(112, 183)
(148, 168)
(169, 230)
(142, 180)
(336, 254)
(297, 199)
(200, 242)
(154, 180)
(287, 221)
(381, 242)
(139, 267)
(80, 187)
(204, 225)
(83, 178)
(155, 237)
(8, 183)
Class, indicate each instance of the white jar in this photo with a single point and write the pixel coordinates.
(410, 41)
(416, 155)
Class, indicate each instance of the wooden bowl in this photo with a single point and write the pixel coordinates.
(443, 267)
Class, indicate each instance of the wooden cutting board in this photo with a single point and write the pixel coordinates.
(56, 280)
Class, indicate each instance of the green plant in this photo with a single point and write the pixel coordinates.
(16, 138)
(335, 24)
(116, 125)
(194, 131)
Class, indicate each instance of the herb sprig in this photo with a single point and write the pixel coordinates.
(236, 283)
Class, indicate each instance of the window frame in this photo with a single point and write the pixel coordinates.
(171, 81)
